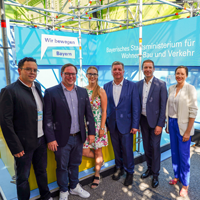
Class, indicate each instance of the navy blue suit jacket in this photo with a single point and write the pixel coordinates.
(127, 113)
(156, 102)
(57, 117)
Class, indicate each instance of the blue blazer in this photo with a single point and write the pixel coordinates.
(57, 117)
(156, 102)
(126, 114)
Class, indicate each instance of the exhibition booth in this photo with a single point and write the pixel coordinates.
(168, 44)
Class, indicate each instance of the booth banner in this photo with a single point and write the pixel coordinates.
(167, 44)
(54, 47)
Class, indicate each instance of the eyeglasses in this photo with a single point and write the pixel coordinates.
(69, 74)
(29, 70)
(90, 74)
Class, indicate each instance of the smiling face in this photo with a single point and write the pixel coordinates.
(118, 73)
(180, 75)
(69, 76)
(92, 75)
(28, 72)
(148, 70)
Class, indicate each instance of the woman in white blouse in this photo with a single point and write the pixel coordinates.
(181, 112)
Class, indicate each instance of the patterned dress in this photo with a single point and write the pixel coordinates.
(96, 109)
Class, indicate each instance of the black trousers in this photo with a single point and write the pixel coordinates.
(151, 144)
(38, 157)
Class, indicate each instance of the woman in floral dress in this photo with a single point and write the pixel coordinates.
(98, 101)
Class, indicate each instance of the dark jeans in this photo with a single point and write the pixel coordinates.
(123, 149)
(68, 159)
(38, 157)
(151, 144)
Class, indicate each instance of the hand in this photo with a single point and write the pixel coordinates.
(91, 139)
(158, 130)
(101, 133)
(134, 130)
(186, 136)
(18, 155)
(166, 130)
(52, 145)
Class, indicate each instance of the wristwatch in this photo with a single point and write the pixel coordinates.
(102, 128)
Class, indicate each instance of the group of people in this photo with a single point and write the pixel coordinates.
(73, 121)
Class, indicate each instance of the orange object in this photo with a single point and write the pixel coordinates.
(90, 17)
(63, 26)
(176, 13)
(188, 16)
(35, 26)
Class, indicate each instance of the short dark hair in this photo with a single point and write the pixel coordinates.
(68, 65)
(22, 61)
(118, 63)
(184, 67)
(148, 61)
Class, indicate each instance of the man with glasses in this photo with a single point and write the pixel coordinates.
(21, 119)
(65, 107)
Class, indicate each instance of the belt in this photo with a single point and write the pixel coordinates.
(74, 134)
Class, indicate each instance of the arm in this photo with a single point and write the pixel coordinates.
(89, 119)
(6, 121)
(103, 109)
(186, 135)
(166, 111)
(104, 87)
(48, 123)
(136, 110)
(192, 112)
(163, 102)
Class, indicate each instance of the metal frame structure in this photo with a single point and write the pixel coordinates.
(86, 11)
(82, 14)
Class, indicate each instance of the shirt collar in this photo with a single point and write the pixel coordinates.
(121, 84)
(33, 84)
(64, 88)
(150, 81)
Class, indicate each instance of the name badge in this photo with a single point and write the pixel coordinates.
(40, 115)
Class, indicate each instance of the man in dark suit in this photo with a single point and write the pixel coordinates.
(21, 119)
(153, 96)
(123, 114)
(65, 107)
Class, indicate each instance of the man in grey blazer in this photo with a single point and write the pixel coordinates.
(153, 97)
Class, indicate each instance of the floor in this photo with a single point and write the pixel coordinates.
(142, 190)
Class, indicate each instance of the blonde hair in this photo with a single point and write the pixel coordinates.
(96, 90)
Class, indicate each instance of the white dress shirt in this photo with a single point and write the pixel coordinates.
(173, 103)
(39, 107)
(146, 89)
(117, 91)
